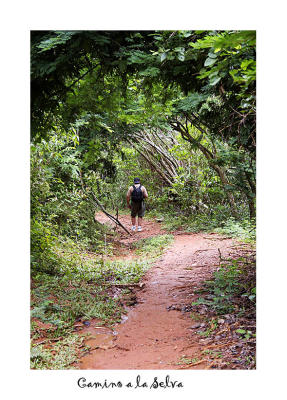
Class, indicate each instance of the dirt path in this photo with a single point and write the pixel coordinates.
(158, 332)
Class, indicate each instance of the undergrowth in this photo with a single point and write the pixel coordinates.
(227, 305)
(244, 230)
(152, 246)
(64, 353)
(229, 287)
(79, 289)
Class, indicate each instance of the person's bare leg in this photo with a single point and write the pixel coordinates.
(140, 221)
(133, 221)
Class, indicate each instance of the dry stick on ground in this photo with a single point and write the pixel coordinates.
(197, 251)
(125, 284)
(220, 257)
(217, 238)
(239, 245)
(114, 219)
(50, 340)
(191, 365)
(220, 345)
(200, 266)
(181, 287)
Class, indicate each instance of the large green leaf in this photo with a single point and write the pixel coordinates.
(213, 81)
(163, 57)
(209, 61)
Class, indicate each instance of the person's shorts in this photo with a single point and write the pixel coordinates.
(137, 209)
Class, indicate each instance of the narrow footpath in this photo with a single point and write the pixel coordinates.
(158, 332)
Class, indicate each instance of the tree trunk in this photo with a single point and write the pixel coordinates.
(229, 195)
(163, 175)
(251, 199)
(212, 162)
(251, 205)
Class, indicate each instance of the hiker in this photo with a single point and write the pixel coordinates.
(136, 193)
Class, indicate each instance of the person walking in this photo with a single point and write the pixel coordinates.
(137, 193)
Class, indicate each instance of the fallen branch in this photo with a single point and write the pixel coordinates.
(125, 284)
(197, 251)
(217, 238)
(222, 259)
(223, 331)
(219, 346)
(238, 245)
(181, 287)
(114, 219)
(191, 365)
(121, 348)
(212, 364)
(247, 251)
(49, 340)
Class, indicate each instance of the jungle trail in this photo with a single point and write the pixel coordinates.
(162, 328)
(178, 110)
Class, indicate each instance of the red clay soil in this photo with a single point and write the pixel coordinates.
(158, 332)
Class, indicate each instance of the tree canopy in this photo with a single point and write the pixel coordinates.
(210, 75)
(174, 107)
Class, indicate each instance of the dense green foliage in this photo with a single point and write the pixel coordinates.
(175, 108)
(226, 286)
(80, 290)
(115, 89)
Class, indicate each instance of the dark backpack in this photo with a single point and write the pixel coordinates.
(137, 194)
